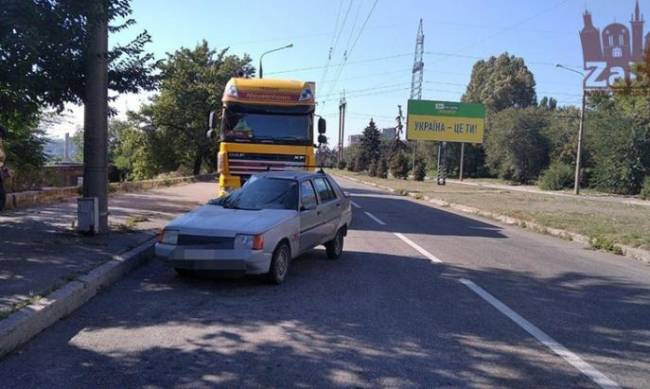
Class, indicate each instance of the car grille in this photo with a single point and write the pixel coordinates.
(214, 242)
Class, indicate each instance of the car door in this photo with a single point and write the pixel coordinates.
(329, 207)
(310, 219)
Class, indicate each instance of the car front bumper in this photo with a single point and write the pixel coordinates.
(192, 258)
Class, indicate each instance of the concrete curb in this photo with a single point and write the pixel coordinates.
(24, 324)
(630, 252)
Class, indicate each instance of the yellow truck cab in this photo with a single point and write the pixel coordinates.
(266, 124)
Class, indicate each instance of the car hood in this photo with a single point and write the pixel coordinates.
(228, 222)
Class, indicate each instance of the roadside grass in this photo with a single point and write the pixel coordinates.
(606, 224)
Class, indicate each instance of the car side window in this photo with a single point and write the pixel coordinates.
(325, 191)
(307, 195)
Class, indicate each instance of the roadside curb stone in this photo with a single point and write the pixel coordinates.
(27, 322)
(630, 252)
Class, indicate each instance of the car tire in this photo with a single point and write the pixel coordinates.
(279, 264)
(184, 272)
(334, 248)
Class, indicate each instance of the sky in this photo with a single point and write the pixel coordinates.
(379, 38)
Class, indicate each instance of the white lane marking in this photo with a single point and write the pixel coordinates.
(375, 218)
(573, 359)
(355, 204)
(419, 249)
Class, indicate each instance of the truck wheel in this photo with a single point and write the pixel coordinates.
(334, 248)
(279, 264)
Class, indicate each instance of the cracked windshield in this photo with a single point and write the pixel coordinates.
(325, 194)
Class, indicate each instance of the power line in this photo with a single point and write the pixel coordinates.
(334, 40)
(348, 51)
(376, 59)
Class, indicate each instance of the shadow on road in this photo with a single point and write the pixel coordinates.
(367, 320)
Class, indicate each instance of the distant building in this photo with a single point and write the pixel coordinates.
(354, 139)
(388, 133)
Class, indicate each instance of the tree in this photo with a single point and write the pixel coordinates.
(399, 166)
(192, 85)
(420, 171)
(370, 146)
(515, 147)
(382, 168)
(43, 46)
(501, 82)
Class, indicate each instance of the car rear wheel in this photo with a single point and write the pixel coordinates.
(279, 264)
(334, 248)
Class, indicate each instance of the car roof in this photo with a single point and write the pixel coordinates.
(291, 174)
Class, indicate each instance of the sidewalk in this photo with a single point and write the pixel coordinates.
(39, 250)
(531, 189)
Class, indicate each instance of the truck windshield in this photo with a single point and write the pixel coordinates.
(267, 127)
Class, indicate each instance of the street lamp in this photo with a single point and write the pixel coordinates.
(271, 51)
(576, 187)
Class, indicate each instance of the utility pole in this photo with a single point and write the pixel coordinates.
(576, 184)
(95, 182)
(417, 76)
(342, 106)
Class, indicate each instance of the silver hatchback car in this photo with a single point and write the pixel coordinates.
(259, 228)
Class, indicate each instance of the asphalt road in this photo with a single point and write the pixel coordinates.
(422, 297)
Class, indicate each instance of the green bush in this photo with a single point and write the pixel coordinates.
(352, 165)
(342, 164)
(645, 189)
(420, 169)
(399, 166)
(372, 168)
(382, 168)
(558, 176)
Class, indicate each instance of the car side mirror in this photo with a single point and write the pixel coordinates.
(307, 208)
(322, 126)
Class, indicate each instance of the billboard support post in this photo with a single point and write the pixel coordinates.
(462, 158)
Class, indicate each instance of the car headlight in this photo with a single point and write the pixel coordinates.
(169, 237)
(249, 242)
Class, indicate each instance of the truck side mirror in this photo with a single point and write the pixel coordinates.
(322, 126)
(322, 139)
(213, 120)
(211, 134)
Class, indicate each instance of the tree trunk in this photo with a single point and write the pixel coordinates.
(196, 170)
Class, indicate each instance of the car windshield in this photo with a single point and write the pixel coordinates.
(263, 193)
(267, 127)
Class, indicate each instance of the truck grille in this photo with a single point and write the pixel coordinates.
(242, 164)
(214, 242)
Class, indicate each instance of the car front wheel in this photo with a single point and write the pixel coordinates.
(334, 248)
(279, 264)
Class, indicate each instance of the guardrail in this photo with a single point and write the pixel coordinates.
(54, 195)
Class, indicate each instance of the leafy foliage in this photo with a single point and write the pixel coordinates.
(192, 85)
(37, 71)
(382, 168)
(558, 176)
(516, 149)
(645, 189)
(399, 166)
(501, 82)
(420, 171)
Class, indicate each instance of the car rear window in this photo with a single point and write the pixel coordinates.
(325, 191)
